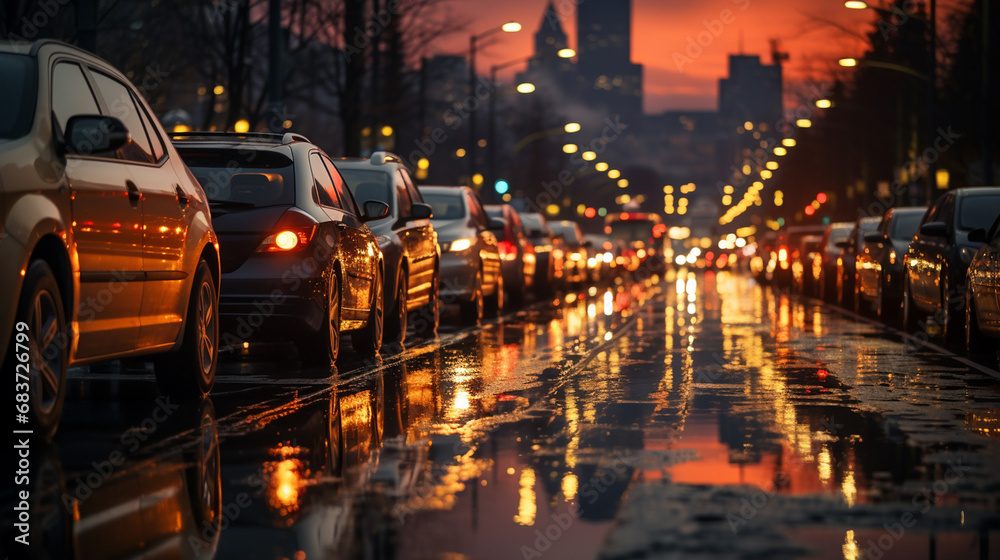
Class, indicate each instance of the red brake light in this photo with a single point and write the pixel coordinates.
(293, 232)
(506, 248)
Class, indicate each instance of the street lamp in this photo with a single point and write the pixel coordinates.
(509, 27)
(491, 118)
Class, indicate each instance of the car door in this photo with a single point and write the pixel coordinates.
(919, 263)
(988, 279)
(357, 245)
(418, 238)
(107, 228)
(165, 221)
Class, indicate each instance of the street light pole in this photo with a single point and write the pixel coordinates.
(509, 27)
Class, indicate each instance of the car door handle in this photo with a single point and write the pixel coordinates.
(182, 197)
(341, 226)
(134, 196)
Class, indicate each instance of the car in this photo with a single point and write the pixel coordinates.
(298, 259)
(517, 253)
(107, 240)
(934, 272)
(806, 269)
(576, 271)
(548, 253)
(471, 273)
(879, 266)
(790, 257)
(851, 246)
(410, 252)
(830, 252)
(765, 260)
(982, 319)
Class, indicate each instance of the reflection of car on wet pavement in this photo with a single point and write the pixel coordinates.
(108, 248)
(470, 256)
(298, 259)
(407, 239)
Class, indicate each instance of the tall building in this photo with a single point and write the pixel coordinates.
(752, 92)
(607, 76)
(550, 73)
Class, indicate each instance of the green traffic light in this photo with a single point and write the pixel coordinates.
(501, 186)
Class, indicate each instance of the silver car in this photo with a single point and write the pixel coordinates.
(470, 257)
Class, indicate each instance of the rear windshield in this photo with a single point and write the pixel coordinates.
(445, 206)
(568, 231)
(247, 177)
(837, 235)
(978, 211)
(368, 185)
(904, 225)
(17, 96)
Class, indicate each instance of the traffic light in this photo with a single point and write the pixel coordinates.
(501, 186)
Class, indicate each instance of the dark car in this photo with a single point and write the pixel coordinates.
(409, 244)
(949, 235)
(791, 258)
(982, 319)
(854, 243)
(298, 260)
(879, 266)
(517, 254)
(470, 257)
(107, 241)
(831, 252)
(548, 253)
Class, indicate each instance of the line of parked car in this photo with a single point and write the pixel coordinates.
(933, 269)
(122, 240)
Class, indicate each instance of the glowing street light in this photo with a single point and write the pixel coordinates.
(572, 127)
(569, 148)
(780, 151)
(855, 5)
(510, 27)
(824, 103)
(788, 142)
(849, 62)
(526, 87)
(566, 53)
(614, 174)
(803, 123)
(589, 155)
(601, 166)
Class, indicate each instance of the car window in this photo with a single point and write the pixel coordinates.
(946, 213)
(415, 195)
(155, 140)
(405, 204)
(905, 224)
(368, 184)
(446, 206)
(476, 210)
(71, 95)
(119, 104)
(323, 184)
(346, 198)
(978, 211)
(17, 97)
(258, 178)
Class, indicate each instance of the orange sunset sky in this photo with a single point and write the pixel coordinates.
(815, 33)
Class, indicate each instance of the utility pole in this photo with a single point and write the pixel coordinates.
(275, 117)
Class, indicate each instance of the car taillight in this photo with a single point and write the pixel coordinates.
(293, 232)
(506, 248)
(782, 254)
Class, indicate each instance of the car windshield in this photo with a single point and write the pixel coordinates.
(445, 206)
(17, 96)
(368, 185)
(255, 178)
(978, 211)
(904, 225)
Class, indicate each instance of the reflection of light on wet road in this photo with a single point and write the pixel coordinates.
(526, 507)
(850, 549)
(570, 484)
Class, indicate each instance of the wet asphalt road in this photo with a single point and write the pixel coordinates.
(693, 416)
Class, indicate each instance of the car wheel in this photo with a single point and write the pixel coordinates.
(42, 322)
(430, 315)
(190, 372)
(322, 348)
(472, 311)
(206, 497)
(395, 329)
(368, 340)
(495, 304)
(886, 309)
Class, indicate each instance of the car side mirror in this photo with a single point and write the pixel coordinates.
(934, 229)
(421, 211)
(374, 210)
(89, 134)
(843, 244)
(977, 235)
(588, 244)
(497, 224)
(874, 237)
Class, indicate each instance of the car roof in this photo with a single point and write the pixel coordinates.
(967, 191)
(443, 190)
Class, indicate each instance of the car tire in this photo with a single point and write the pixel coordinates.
(884, 308)
(472, 311)
(40, 308)
(190, 371)
(395, 329)
(494, 305)
(430, 315)
(368, 340)
(975, 343)
(321, 348)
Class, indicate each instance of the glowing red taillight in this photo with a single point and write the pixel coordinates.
(293, 232)
(506, 248)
